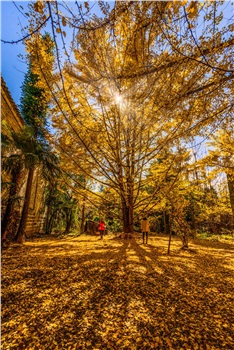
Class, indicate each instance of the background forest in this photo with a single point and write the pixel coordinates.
(128, 109)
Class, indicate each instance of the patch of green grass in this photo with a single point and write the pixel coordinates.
(202, 235)
(215, 237)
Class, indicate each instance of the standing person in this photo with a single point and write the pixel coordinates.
(145, 229)
(101, 228)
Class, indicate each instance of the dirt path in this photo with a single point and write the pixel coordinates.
(84, 293)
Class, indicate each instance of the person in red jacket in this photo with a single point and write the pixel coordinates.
(101, 228)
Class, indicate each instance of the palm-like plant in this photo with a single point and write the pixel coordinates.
(32, 153)
(12, 166)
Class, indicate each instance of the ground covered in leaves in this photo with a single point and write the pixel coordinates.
(86, 293)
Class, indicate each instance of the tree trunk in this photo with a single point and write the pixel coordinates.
(127, 213)
(130, 214)
(194, 224)
(7, 218)
(170, 234)
(24, 214)
(68, 221)
(230, 180)
(53, 220)
(164, 222)
(47, 220)
(50, 221)
(184, 239)
(82, 217)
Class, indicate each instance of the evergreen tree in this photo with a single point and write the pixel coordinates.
(33, 104)
(33, 107)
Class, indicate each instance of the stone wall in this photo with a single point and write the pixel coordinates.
(10, 114)
(11, 118)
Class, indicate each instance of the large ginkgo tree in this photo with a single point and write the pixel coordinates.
(137, 77)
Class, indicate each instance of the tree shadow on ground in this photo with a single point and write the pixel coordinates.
(116, 295)
(191, 294)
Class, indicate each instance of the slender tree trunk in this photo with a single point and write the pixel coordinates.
(7, 218)
(170, 234)
(82, 217)
(194, 224)
(164, 222)
(184, 237)
(47, 220)
(131, 227)
(230, 180)
(68, 221)
(52, 220)
(185, 241)
(24, 214)
(49, 224)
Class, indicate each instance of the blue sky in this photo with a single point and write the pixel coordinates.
(12, 67)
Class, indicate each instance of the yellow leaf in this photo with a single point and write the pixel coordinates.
(64, 21)
(192, 9)
(86, 5)
(38, 6)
